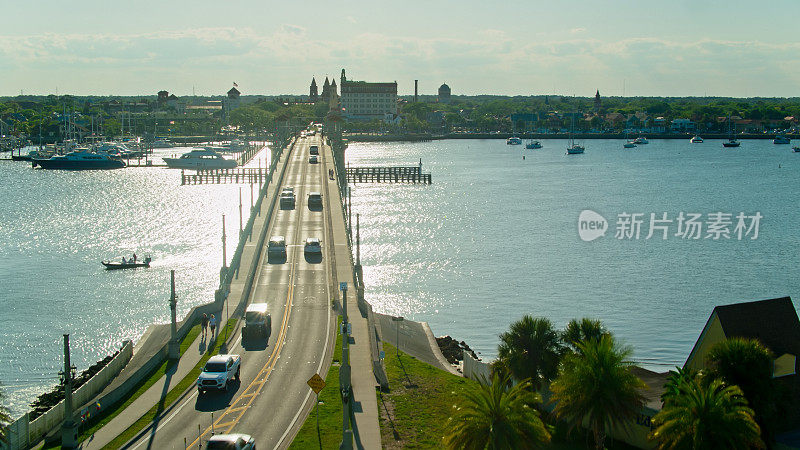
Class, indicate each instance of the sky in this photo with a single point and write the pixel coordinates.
(517, 47)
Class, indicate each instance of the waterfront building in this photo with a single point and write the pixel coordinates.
(368, 100)
(682, 125)
(313, 96)
(231, 101)
(444, 93)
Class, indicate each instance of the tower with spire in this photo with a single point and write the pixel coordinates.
(597, 103)
(313, 96)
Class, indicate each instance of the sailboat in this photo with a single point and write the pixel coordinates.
(574, 149)
(732, 142)
(628, 143)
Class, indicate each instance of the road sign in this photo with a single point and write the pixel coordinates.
(316, 382)
(343, 286)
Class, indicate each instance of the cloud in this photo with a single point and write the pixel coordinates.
(488, 62)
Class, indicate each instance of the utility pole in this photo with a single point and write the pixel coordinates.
(69, 430)
(174, 346)
(344, 376)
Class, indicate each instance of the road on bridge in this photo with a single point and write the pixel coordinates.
(272, 398)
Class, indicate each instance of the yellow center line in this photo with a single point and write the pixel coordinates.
(257, 384)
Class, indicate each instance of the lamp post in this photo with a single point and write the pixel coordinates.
(174, 347)
(344, 376)
(397, 319)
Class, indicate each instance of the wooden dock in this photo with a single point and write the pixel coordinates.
(389, 174)
(225, 176)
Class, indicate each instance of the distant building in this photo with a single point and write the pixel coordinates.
(597, 103)
(313, 96)
(682, 125)
(363, 100)
(232, 101)
(444, 93)
(327, 91)
(162, 97)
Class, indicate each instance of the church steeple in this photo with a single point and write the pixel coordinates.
(313, 95)
(597, 100)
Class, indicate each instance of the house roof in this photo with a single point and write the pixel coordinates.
(774, 322)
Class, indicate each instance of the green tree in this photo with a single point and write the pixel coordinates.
(578, 331)
(597, 387)
(531, 349)
(747, 363)
(497, 416)
(5, 417)
(705, 415)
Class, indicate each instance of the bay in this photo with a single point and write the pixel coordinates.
(496, 237)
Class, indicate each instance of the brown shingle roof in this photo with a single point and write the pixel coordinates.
(773, 322)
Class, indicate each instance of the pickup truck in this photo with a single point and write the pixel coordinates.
(218, 372)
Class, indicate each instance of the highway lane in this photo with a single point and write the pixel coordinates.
(272, 398)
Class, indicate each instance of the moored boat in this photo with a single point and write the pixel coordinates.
(81, 159)
(641, 140)
(200, 159)
(696, 140)
(629, 144)
(781, 140)
(532, 145)
(796, 149)
(513, 140)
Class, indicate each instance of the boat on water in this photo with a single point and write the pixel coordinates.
(200, 159)
(513, 140)
(641, 140)
(162, 143)
(796, 149)
(732, 142)
(781, 140)
(696, 140)
(532, 145)
(629, 144)
(573, 148)
(81, 159)
(126, 264)
(33, 154)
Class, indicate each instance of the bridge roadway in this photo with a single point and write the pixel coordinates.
(272, 398)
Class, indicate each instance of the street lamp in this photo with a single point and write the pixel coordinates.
(397, 319)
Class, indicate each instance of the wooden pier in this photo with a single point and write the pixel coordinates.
(390, 174)
(225, 176)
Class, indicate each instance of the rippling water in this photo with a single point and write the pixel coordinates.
(495, 237)
(57, 226)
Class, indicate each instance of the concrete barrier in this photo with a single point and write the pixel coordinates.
(475, 369)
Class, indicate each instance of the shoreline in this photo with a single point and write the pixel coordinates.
(438, 137)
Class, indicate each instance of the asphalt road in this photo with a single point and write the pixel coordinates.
(272, 398)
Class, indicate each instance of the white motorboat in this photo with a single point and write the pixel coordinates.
(696, 140)
(514, 141)
(200, 159)
(641, 140)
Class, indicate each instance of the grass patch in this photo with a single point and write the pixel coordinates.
(330, 409)
(87, 429)
(173, 394)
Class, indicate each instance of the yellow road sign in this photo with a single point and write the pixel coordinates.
(316, 382)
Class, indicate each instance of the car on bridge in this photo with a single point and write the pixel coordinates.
(257, 321)
(314, 150)
(314, 200)
(231, 442)
(313, 246)
(276, 247)
(287, 197)
(313, 159)
(219, 372)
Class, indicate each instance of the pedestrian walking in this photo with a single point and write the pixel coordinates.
(213, 323)
(204, 324)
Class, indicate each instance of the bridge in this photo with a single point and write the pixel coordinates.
(271, 399)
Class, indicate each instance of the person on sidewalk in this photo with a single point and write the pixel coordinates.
(213, 323)
(204, 324)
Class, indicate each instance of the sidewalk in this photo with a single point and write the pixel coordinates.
(157, 336)
(365, 404)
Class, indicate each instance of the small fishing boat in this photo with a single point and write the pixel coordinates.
(513, 140)
(126, 264)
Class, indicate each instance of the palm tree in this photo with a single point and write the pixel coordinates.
(497, 416)
(579, 331)
(747, 363)
(530, 349)
(700, 415)
(597, 387)
(5, 418)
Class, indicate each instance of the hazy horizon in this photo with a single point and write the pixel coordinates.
(623, 48)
